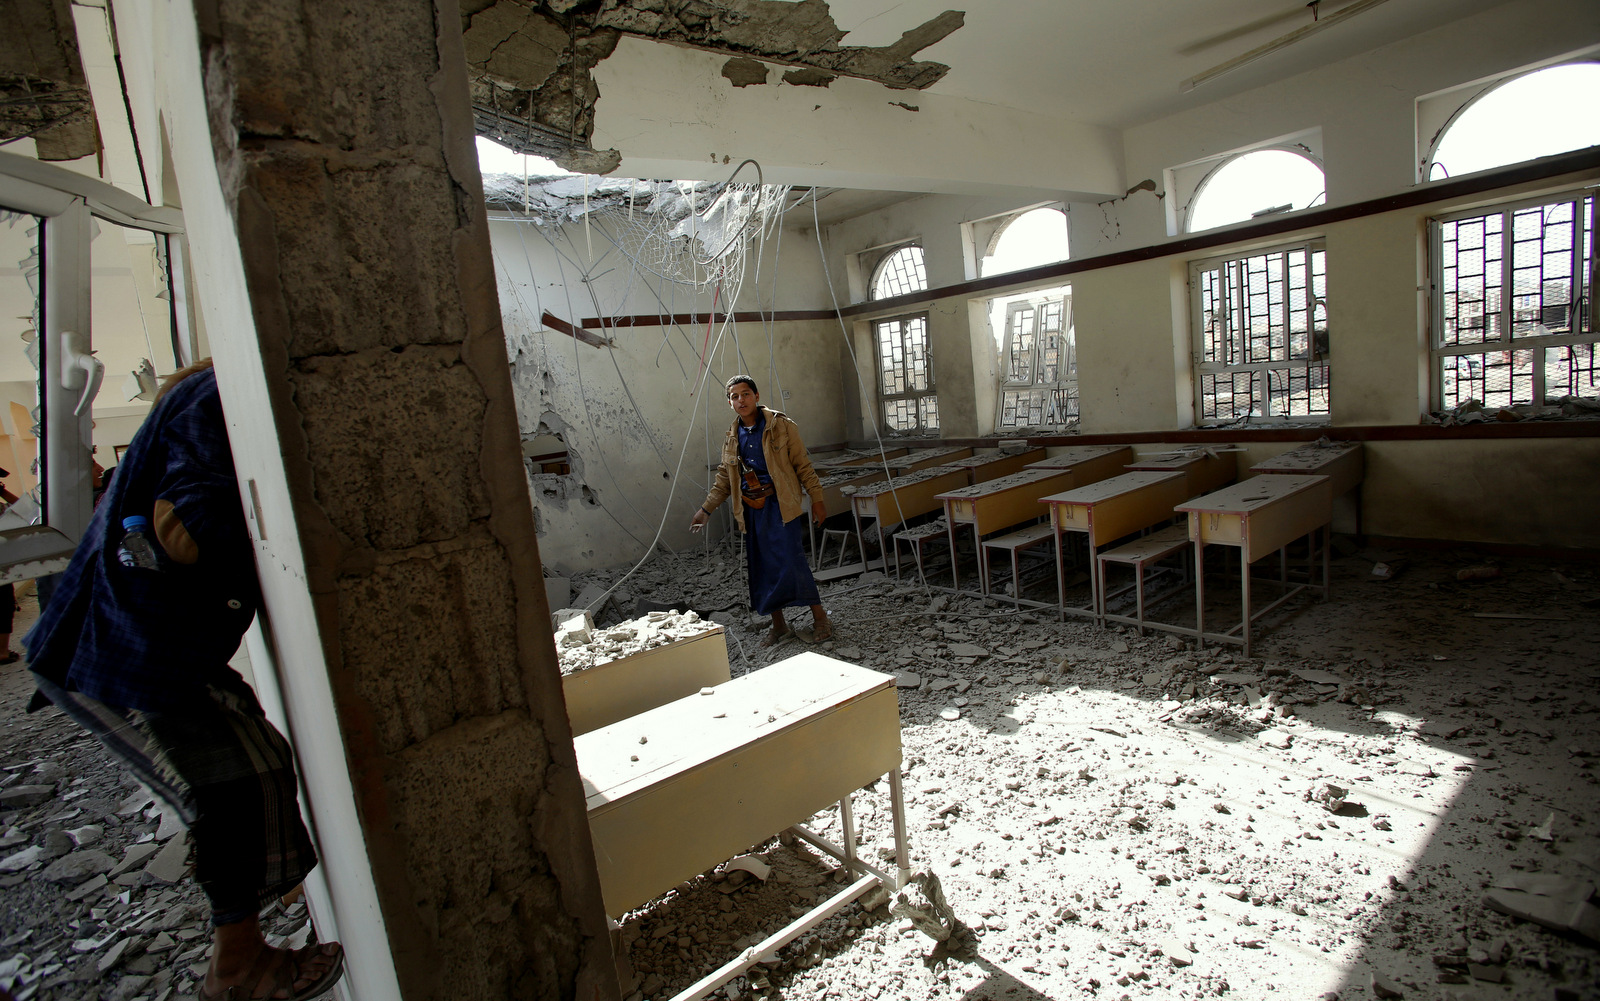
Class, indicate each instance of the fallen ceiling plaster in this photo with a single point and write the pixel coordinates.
(530, 62)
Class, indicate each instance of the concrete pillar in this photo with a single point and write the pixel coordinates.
(344, 140)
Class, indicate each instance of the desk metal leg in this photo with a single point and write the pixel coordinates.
(1244, 590)
(897, 804)
(983, 560)
(1199, 595)
(1061, 573)
(861, 539)
(955, 563)
(847, 823)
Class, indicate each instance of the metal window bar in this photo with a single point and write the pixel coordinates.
(1260, 321)
(905, 367)
(901, 273)
(1514, 303)
(1040, 386)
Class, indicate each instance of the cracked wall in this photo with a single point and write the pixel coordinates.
(43, 92)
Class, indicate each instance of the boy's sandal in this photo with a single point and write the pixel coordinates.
(276, 970)
(11, 658)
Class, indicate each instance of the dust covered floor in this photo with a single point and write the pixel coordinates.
(1113, 815)
(1121, 816)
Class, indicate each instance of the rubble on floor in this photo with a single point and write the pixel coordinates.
(580, 644)
(1115, 815)
(98, 903)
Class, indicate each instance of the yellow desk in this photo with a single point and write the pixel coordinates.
(996, 504)
(1260, 516)
(605, 693)
(833, 498)
(1342, 462)
(1206, 470)
(721, 772)
(926, 458)
(892, 502)
(991, 464)
(1092, 462)
(1106, 511)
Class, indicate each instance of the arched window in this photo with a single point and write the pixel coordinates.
(1263, 182)
(1537, 114)
(1038, 236)
(900, 273)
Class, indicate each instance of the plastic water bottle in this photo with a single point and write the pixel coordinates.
(136, 550)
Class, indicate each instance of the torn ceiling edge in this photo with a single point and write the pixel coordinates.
(530, 62)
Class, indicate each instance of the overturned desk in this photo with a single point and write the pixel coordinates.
(1258, 517)
(676, 790)
(1104, 512)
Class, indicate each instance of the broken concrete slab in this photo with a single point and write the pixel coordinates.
(1580, 918)
(742, 71)
(171, 862)
(21, 797)
(78, 866)
(1568, 889)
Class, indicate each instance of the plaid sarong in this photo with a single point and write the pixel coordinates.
(229, 775)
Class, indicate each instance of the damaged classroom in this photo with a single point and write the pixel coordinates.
(1205, 410)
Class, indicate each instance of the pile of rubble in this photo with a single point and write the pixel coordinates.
(581, 645)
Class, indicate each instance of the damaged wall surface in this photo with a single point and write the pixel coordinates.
(531, 63)
(43, 92)
(627, 411)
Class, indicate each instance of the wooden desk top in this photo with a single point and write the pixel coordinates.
(1306, 458)
(925, 457)
(910, 479)
(848, 474)
(987, 456)
(1077, 454)
(1179, 459)
(1116, 486)
(698, 728)
(1011, 482)
(1253, 494)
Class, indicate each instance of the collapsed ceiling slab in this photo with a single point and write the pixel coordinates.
(530, 62)
(43, 92)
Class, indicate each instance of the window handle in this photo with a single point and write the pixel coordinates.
(80, 369)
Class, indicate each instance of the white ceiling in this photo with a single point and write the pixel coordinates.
(1118, 63)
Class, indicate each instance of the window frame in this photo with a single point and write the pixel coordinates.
(1201, 368)
(1584, 283)
(887, 255)
(1035, 382)
(930, 392)
(66, 202)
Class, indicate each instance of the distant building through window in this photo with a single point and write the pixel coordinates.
(1261, 334)
(1513, 309)
(1542, 113)
(905, 375)
(1260, 183)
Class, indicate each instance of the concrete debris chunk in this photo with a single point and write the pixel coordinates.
(78, 866)
(97, 883)
(905, 679)
(1327, 795)
(1580, 918)
(1175, 950)
(922, 903)
(1317, 677)
(751, 864)
(967, 650)
(1276, 737)
(21, 797)
(21, 860)
(86, 835)
(171, 862)
(1569, 889)
(1383, 987)
(1544, 832)
(950, 715)
(136, 855)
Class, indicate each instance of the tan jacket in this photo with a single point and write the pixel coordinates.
(787, 464)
